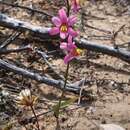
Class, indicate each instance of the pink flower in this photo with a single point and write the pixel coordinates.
(63, 25)
(75, 6)
(72, 50)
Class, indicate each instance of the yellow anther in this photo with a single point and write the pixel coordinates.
(76, 52)
(79, 51)
(63, 28)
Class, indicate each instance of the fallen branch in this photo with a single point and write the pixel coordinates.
(7, 51)
(105, 49)
(42, 79)
(42, 32)
(18, 25)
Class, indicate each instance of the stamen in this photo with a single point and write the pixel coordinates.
(76, 52)
(79, 51)
(64, 28)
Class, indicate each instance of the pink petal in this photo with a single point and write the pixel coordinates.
(70, 38)
(56, 21)
(63, 45)
(67, 46)
(68, 58)
(63, 16)
(71, 44)
(72, 32)
(75, 8)
(54, 31)
(72, 20)
(63, 35)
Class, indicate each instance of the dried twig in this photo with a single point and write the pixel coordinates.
(44, 56)
(10, 40)
(114, 36)
(80, 93)
(7, 51)
(27, 8)
(31, 119)
(98, 29)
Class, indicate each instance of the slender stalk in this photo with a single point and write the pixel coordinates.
(66, 78)
(35, 117)
(63, 92)
(68, 7)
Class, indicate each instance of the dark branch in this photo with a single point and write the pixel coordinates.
(7, 51)
(105, 49)
(42, 32)
(10, 40)
(35, 76)
(18, 25)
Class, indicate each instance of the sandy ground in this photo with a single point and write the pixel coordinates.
(110, 75)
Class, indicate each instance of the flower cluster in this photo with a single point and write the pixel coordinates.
(71, 48)
(64, 27)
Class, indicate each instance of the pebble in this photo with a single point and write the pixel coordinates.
(110, 127)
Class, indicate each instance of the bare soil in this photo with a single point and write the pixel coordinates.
(110, 85)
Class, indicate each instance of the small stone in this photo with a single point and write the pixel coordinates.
(110, 127)
(91, 110)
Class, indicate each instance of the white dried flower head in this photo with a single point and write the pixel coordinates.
(25, 98)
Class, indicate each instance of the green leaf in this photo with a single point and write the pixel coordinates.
(67, 102)
(63, 104)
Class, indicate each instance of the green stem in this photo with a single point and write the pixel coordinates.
(35, 117)
(63, 92)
